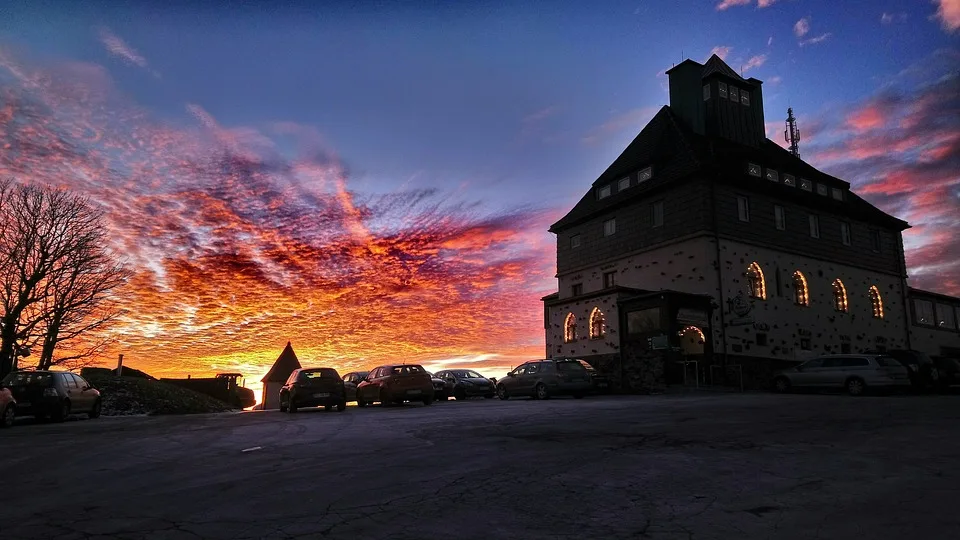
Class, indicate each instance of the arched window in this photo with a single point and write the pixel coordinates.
(597, 324)
(570, 328)
(756, 282)
(839, 296)
(801, 294)
(876, 301)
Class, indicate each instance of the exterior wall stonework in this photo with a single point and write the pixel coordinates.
(584, 346)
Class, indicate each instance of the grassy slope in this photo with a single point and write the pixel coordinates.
(134, 395)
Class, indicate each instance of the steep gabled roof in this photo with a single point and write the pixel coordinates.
(283, 367)
(716, 65)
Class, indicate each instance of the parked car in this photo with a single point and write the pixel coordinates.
(54, 394)
(466, 383)
(396, 383)
(313, 387)
(949, 371)
(442, 389)
(541, 379)
(924, 375)
(8, 408)
(350, 382)
(601, 384)
(854, 373)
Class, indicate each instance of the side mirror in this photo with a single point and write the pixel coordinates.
(510, 374)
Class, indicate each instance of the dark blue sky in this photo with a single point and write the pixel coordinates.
(513, 102)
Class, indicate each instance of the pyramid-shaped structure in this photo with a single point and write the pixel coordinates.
(283, 367)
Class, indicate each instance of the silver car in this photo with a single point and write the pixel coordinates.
(854, 373)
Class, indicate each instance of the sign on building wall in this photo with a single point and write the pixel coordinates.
(740, 310)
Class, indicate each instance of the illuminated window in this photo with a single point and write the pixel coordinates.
(758, 285)
(876, 301)
(801, 295)
(570, 328)
(839, 296)
(597, 324)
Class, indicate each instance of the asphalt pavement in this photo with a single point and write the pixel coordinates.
(692, 466)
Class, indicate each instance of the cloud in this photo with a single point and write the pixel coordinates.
(754, 61)
(245, 237)
(720, 50)
(815, 40)
(765, 3)
(118, 47)
(948, 11)
(776, 79)
(634, 119)
(801, 27)
(542, 114)
(769, 41)
(727, 4)
(900, 148)
(889, 18)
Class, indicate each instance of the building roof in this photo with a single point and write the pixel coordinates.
(283, 367)
(940, 296)
(716, 65)
(677, 154)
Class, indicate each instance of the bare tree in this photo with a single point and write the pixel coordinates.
(53, 269)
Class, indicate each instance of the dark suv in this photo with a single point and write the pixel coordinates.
(313, 387)
(54, 394)
(541, 379)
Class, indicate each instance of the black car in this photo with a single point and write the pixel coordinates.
(541, 379)
(313, 387)
(924, 374)
(442, 388)
(949, 371)
(467, 383)
(52, 394)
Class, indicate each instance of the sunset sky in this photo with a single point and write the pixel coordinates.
(376, 183)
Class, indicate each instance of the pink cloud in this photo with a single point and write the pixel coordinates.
(765, 3)
(118, 47)
(754, 61)
(720, 50)
(727, 4)
(815, 40)
(948, 11)
(801, 27)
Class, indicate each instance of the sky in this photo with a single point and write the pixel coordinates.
(373, 181)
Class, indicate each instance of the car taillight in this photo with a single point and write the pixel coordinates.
(50, 392)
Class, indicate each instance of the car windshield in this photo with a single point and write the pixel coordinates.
(887, 361)
(569, 367)
(28, 379)
(467, 374)
(324, 373)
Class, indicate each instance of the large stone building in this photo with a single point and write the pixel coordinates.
(706, 242)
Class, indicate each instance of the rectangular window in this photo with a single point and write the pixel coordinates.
(575, 241)
(643, 321)
(789, 180)
(814, 226)
(645, 174)
(603, 192)
(734, 94)
(805, 344)
(772, 175)
(845, 233)
(706, 92)
(837, 193)
(743, 208)
(875, 240)
(780, 217)
(821, 190)
(806, 185)
(753, 169)
(609, 227)
(609, 279)
(657, 211)
(945, 318)
(623, 184)
(923, 312)
(576, 289)
(722, 87)
(745, 97)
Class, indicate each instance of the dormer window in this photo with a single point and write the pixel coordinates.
(789, 180)
(603, 192)
(806, 185)
(745, 97)
(772, 175)
(734, 94)
(821, 190)
(723, 90)
(753, 169)
(837, 194)
(645, 174)
(623, 184)
(706, 92)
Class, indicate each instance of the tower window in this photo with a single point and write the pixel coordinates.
(734, 94)
(801, 295)
(756, 282)
(722, 87)
(745, 97)
(575, 241)
(597, 324)
(706, 92)
(609, 227)
(603, 192)
(821, 190)
(789, 180)
(753, 169)
(645, 174)
(623, 184)
(837, 193)
(772, 175)
(806, 185)
(876, 302)
(839, 296)
(570, 328)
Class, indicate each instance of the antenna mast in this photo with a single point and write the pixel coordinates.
(792, 133)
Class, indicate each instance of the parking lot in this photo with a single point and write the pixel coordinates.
(674, 466)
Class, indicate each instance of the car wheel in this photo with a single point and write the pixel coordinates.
(9, 415)
(502, 393)
(459, 394)
(540, 391)
(95, 411)
(291, 407)
(781, 385)
(63, 412)
(283, 407)
(855, 386)
(341, 406)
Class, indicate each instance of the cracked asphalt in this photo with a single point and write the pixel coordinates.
(686, 466)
